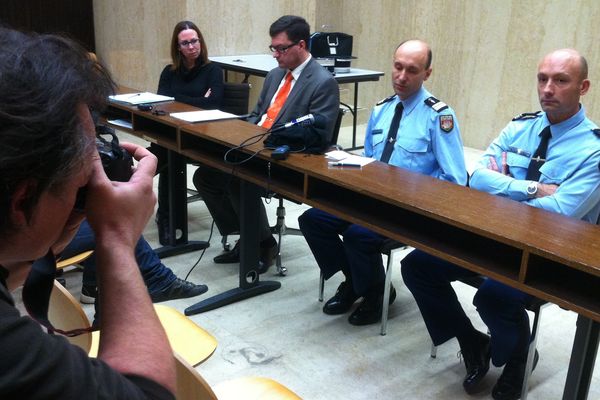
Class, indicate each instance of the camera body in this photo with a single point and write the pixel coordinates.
(117, 162)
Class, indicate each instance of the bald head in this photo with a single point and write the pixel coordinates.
(417, 46)
(570, 57)
(562, 80)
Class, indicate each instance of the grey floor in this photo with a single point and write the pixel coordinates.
(285, 335)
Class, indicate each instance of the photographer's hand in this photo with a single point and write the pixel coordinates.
(133, 340)
(118, 211)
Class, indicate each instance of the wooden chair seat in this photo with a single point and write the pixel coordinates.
(192, 386)
(191, 341)
(253, 388)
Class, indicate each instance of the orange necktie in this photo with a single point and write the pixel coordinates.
(279, 101)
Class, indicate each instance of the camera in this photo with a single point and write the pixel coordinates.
(116, 161)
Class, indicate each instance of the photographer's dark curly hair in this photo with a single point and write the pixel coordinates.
(43, 81)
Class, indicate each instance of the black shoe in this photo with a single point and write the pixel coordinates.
(88, 294)
(342, 301)
(266, 257)
(179, 289)
(369, 310)
(164, 236)
(510, 383)
(477, 361)
(229, 257)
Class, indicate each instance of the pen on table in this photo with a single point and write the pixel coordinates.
(343, 164)
(133, 95)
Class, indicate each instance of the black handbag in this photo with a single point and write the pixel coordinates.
(331, 45)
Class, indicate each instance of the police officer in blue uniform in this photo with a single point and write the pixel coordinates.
(546, 159)
(411, 130)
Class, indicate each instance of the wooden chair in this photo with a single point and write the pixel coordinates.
(389, 248)
(76, 259)
(191, 386)
(192, 342)
(65, 312)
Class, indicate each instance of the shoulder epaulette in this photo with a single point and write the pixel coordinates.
(380, 102)
(530, 115)
(596, 132)
(437, 105)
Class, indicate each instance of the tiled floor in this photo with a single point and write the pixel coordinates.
(285, 336)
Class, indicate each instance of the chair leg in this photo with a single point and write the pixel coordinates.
(433, 351)
(281, 270)
(280, 226)
(225, 243)
(386, 294)
(321, 286)
(531, 351)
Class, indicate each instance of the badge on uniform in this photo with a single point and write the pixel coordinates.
(446, 123)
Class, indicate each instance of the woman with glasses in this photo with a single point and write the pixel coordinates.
(192, 79)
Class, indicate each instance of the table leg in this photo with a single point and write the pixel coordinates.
(178, 210)
(249, 279)
(583, 358)
(354, 112)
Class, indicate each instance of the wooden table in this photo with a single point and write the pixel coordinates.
(548, 255)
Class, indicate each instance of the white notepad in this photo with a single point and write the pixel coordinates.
(203, 115)
(139, 98)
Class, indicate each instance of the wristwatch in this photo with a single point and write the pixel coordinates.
(532, 189)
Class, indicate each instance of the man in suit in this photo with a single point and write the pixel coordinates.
(297, 87)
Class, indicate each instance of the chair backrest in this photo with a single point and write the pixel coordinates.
(76, 259)
(186, 338)
(190, 384)
(235, 98)
(65, 312)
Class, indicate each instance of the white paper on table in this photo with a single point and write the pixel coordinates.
(340, 158)
(140, 98)
(203, 115)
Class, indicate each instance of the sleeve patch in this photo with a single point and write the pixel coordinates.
(446, 123)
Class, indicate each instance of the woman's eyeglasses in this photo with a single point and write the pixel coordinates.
(186, 43)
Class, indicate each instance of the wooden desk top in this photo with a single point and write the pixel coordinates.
(551, 256)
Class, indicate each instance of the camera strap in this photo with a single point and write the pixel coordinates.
(37, 291)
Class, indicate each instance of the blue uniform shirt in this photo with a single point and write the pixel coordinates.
(572, 162)
(421, 143)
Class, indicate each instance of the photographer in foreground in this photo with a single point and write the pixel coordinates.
(47, 153)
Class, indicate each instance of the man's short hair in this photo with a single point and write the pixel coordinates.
(295, 27)
(44, 79)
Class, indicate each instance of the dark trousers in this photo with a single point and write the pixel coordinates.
(501, 307)
(162, 212)
(156, 275)
(357, 254)
(221, 194)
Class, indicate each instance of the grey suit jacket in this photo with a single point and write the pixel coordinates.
(316, 92)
